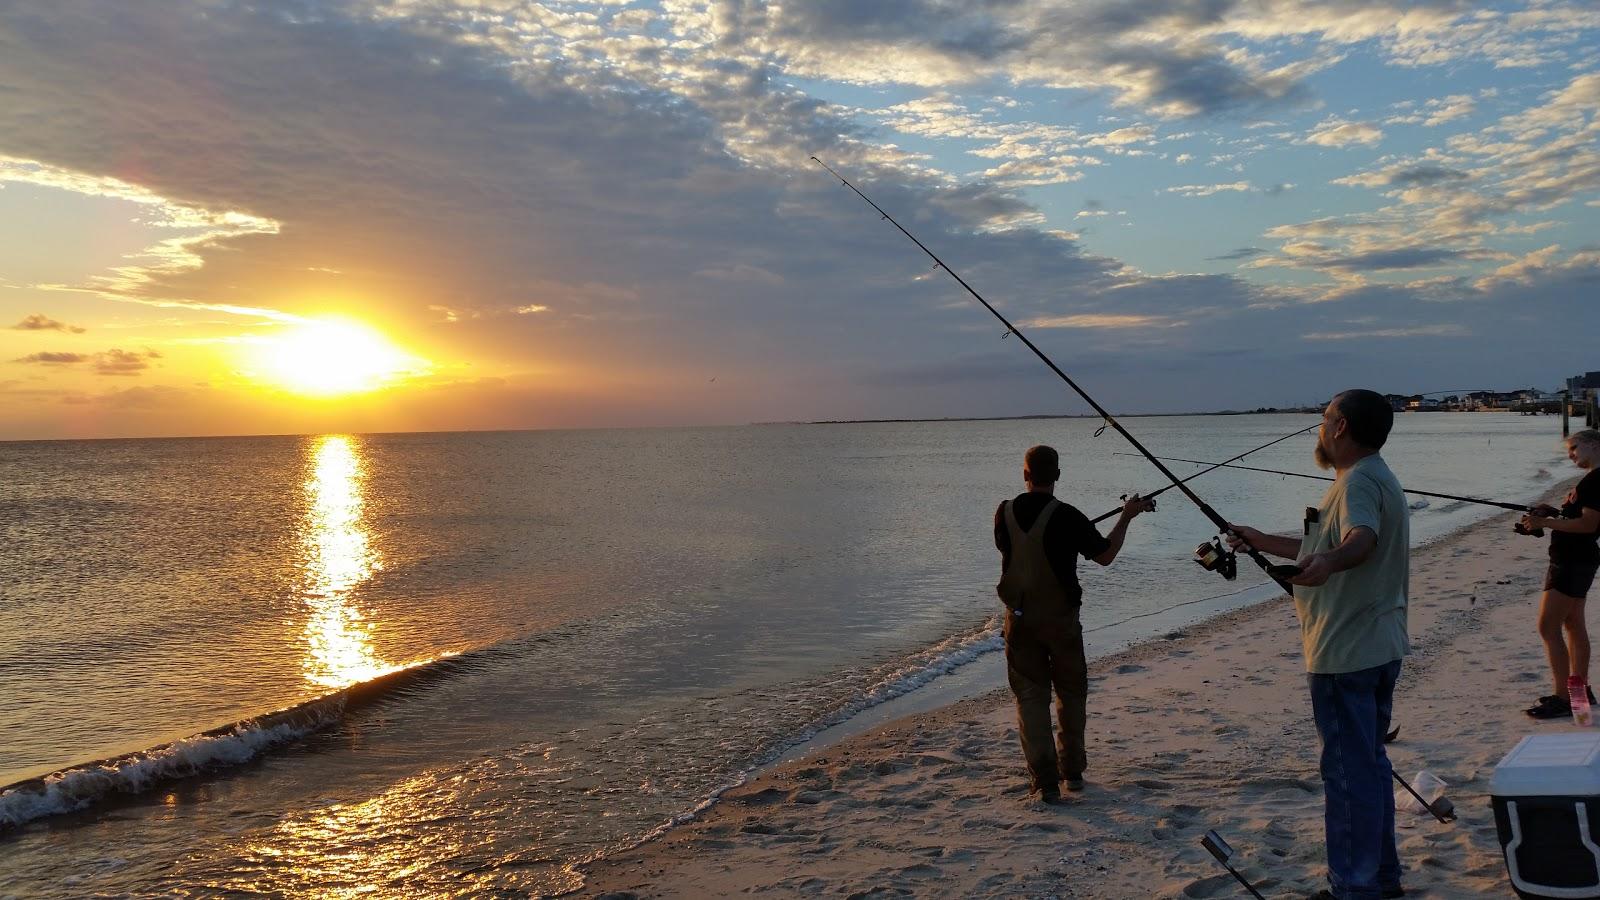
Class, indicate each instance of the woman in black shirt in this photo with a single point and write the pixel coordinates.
(1574, 559)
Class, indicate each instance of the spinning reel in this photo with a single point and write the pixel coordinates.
(1214, 556)
(1536, 532)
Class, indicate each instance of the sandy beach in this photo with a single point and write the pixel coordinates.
(1206, 728)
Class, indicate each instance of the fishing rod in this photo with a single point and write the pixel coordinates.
(1214, 466)
(1514, 507)
(1205, 508)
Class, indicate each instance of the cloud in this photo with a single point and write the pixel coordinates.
(1035, 172)
(1338, 133)
(123, 362)
(1437, 111)
(1240, 253)
(1395, 258)
(53, 358)
(1098, 320)
(1442, 330)
(1136, 134)
(1206, 190)
(38, 322)
(109, 362)
(1405, 175)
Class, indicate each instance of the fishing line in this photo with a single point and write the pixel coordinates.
(1214, 466)
(1515, 507)
(1170, 609)
(1205, 508)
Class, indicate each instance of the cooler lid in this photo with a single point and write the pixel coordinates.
(1542, 765)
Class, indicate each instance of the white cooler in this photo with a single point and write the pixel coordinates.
(1546, 795)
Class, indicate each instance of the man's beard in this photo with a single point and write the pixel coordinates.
(1323, 458)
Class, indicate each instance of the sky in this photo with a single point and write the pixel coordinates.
(286, 217)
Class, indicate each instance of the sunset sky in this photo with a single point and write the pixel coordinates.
(231, 218)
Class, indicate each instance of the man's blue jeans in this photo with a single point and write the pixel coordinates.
(1352, 712)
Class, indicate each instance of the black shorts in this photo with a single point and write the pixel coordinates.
(1572, 579)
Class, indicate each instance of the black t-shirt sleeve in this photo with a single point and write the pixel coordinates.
(1588, 493)
(1091, 542)
(1074, 533)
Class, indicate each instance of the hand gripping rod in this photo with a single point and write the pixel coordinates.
(1205, 508)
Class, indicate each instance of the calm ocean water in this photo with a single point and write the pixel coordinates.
(628, 620)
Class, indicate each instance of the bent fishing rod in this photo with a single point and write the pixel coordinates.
(1214, 466)
(1205, 508)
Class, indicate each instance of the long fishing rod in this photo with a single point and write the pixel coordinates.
(1205, 508)
(1214, 466)
(1517, 507)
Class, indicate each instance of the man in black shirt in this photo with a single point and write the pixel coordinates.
(1574, 559)
(1040, 539)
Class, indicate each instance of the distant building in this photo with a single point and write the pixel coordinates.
(1585, 390)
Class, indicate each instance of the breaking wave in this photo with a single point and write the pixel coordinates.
(80, 787)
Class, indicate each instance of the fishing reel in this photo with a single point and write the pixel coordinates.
(1214, 556)
(1533, 532)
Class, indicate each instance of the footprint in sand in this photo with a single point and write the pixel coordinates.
(1129, 669)
(1211, 886)
(1275, 785)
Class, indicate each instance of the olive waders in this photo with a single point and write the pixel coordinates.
(1044, 647)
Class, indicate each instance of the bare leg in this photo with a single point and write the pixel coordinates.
(1578, 640)
(1554, 608)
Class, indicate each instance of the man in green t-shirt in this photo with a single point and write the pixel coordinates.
(1351, 596)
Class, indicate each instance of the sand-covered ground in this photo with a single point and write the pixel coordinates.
(1208, 728)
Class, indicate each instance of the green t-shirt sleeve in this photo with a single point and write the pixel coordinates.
(1361, 506)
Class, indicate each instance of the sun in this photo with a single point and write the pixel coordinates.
(330, 357)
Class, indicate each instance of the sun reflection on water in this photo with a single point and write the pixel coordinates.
(338, 558)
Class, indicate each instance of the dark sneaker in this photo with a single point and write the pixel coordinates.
(1050, 796)
(1541, 703)
(1075, 784)
(1551, 708)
